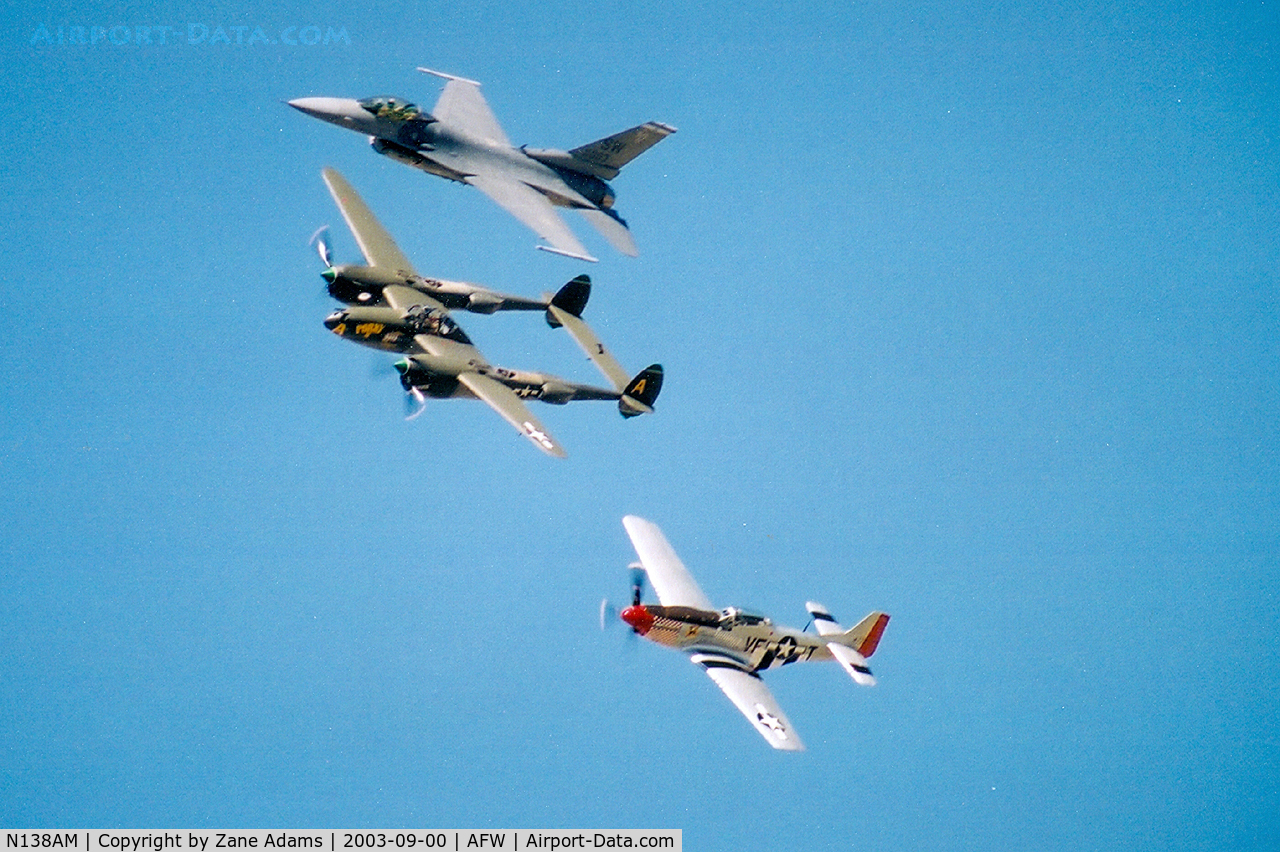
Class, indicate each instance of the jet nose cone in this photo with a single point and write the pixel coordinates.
(336, 110)
(639, 618)
(335, 319)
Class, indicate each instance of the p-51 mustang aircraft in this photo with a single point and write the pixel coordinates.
(392, 307)
(733, 646)
(460, 139)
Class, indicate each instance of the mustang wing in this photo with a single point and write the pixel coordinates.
(374, 241)
(504, 401)
(749, 694)
(531, 207)
(671, 580)
(462, 107)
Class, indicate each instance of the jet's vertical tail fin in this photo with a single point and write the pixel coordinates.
(608, 155)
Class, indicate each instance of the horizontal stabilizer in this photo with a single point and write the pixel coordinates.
(612, 228)
(853, 663)
(565, 310)
(850, 647)
(607, 156)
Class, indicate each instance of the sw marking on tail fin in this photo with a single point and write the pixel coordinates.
(607, 156)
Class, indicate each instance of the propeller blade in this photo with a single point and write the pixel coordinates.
(320, 239)
(637, 584)
(608, 613)
(415, 402)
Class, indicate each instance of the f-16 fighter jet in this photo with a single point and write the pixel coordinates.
(734, 646)
(389, 306)
(461, 140)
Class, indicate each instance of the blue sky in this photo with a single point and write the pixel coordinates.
(969, 313)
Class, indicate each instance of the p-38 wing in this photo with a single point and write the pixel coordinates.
(443, 357)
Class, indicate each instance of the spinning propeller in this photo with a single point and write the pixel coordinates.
(609, 612)
(415, 402)
(320, 239)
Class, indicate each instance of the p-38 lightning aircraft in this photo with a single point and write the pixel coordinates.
(389, 306)
(460, 139)
(733, 645)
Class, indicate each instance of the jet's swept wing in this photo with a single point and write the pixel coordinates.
(671, 580)
(374, 241)
(749, 694)
(504, 401)
(531, 207)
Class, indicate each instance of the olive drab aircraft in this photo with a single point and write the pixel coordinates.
(732, 645)
(391, 307)
(461, 140)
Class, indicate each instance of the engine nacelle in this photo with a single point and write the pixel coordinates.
(483, 303)
(375, 277)
(556, 393)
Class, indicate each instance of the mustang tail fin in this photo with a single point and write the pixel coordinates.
(607, 156)
(640, 393)
(850, 647)
(864, 636)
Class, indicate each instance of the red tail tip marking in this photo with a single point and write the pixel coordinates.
(868, 646)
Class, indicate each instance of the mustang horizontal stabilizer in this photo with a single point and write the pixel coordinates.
(850, 647)
(749, 694)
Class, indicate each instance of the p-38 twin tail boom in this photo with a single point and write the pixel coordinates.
(389, 306)
(734, 646)
(460, 139)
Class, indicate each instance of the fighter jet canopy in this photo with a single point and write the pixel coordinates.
(391, 108)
